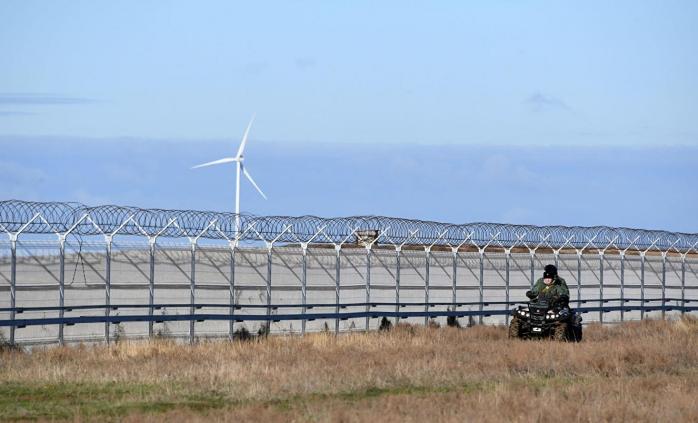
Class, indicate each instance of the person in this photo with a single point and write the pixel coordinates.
(551, 288)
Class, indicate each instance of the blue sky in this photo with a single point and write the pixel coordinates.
(595, 102)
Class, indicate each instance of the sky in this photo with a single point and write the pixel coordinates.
(576, 113)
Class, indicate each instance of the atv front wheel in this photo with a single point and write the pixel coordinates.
(515, 327)
(559, 333)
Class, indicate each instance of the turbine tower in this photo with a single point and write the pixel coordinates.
(240, 167)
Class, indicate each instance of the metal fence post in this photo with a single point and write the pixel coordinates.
(426, 286)
(556, 254)
(304, 284)
(664, 253)
(270, 257)
(683, 283)
(268, 288)
(507, 252)
(151, 284)
(533, 267)
(642, 285)
(337, 274)
(368, 284)
(398, 253)
(482, 285)
(454, 288)
(579, 278)
(13, 285)
(192, 292)
(601, 255)
(231, 292)
(622, 286)
(61, 289)
(107, 288)
(533, 258)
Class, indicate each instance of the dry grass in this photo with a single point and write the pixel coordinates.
(637, 371)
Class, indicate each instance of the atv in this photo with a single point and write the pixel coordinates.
(542, 319)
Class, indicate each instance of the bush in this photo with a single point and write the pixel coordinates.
(385, 324)
(264, 330)
(242, 334)
(5, 344)
(452, 321)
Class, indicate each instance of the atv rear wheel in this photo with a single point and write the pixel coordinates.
(515, 327)
(574, 333)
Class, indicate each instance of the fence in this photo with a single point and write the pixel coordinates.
(70, 272)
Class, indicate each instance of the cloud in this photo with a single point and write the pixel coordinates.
(41, 99)
(541, 102)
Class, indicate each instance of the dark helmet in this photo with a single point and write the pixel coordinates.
(550, 271)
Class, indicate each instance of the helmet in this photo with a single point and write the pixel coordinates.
(550, 271)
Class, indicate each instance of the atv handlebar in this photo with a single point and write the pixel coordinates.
(561, 301)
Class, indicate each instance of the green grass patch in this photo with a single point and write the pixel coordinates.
(110, 401)
(368, 394)
(114, 400)
(26, 401)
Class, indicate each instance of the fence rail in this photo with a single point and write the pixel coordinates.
(201, 317)
(109, 262)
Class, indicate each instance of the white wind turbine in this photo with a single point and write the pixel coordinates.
(238, 159)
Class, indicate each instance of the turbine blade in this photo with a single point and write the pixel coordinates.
(244, 170)
(244, 138)
(215, 162)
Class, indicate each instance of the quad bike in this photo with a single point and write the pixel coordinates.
(542, 319)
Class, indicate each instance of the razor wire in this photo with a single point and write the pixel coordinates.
(61, 218)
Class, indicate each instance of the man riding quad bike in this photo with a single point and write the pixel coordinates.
(548, 314)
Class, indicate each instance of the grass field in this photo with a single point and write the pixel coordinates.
(644, 371)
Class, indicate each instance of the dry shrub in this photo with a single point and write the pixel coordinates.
(242, 334)
(385, 324)
(452, 321)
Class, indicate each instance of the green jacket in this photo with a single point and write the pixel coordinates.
(552, 291)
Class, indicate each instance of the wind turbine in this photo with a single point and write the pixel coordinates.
(240, 167)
